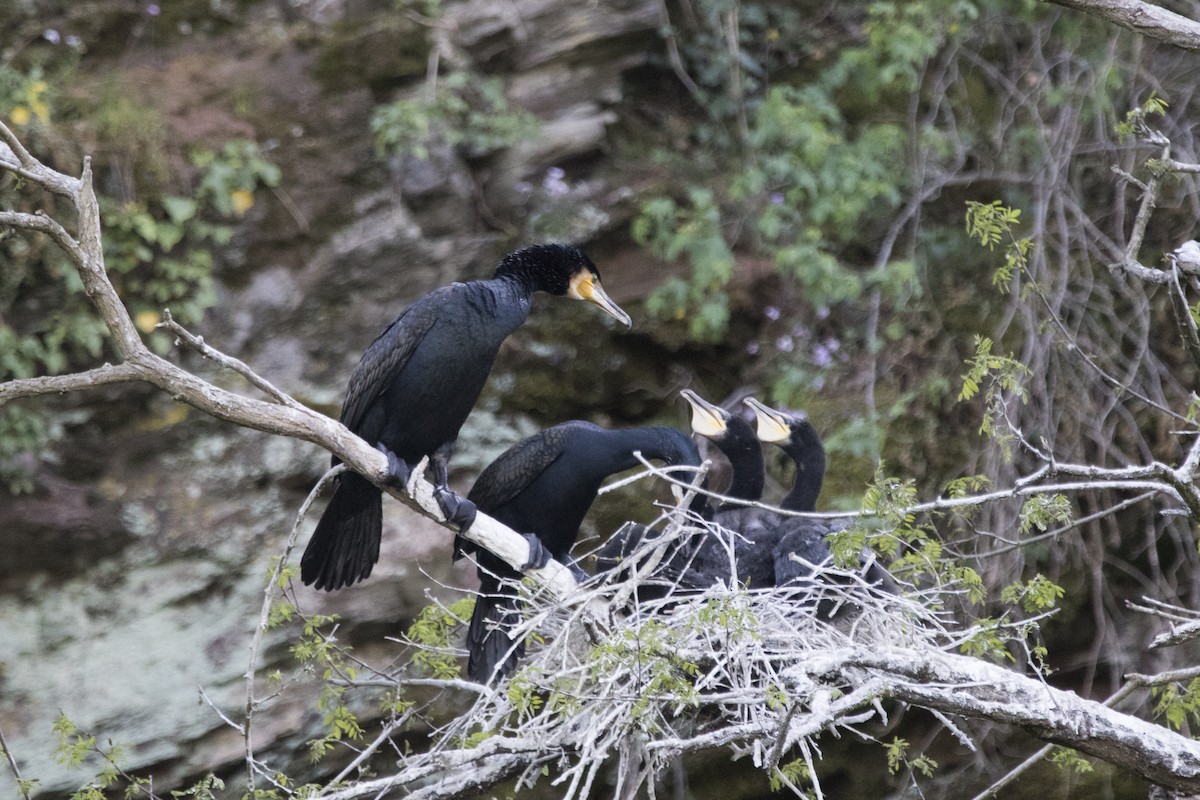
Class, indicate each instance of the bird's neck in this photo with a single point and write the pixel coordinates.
(518, 282)
(749, 476)
(810, 474)
(505, 297)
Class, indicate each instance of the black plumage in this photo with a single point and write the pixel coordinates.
(542, 487)
(734, 437)
(798, 439)
(415, 386)
(800, 544)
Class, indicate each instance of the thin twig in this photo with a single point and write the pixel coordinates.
(197, 343)
(264, 616)
(12, 765)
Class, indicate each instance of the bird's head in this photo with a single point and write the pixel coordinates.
(708, 420)
(780, 427)
(561, 269)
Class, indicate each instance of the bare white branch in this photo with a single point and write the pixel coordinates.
(1144, 18)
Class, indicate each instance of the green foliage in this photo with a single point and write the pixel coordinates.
(1036, 595)
(25, 97)
(432, 631)
(897, 759)
(337, 718)
(314, 647)
(1135, 120)
(465, 111)
(318, 650)
(809, 175)
(651, 652)
(1070, 761)
(691, 233)
(73, 746)
(228, 179)
(1042, 510)
(729, 615)
(1003, 376)
(989, 223)
(525, 696)
(987, 641)
(1178, 704)
(967, 485)
(21, 431)
(793, 773)
(281, 613)
(76, 746)
(158, 252)
(204, 789)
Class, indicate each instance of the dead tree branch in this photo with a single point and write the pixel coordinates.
(138, 363)
(1144, 18)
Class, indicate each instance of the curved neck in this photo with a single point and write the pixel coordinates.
(520, 282)
(810, 474)
(656, 444)
(742, 448)
(663, 444)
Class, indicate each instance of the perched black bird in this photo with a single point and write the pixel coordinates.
(542, 487)
(735, 438)
(797, 438)
(801, 543)
(415, 385)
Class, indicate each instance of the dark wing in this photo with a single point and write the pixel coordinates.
(517, 467)
(800, 551)
(389, 353)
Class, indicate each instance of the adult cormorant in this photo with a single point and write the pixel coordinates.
(542, 487)
(734, 437)
(415, 385)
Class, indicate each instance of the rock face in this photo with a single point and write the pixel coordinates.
(130, 589)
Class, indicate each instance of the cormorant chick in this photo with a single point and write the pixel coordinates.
(797, 438)
(542, 487)
(802, 542)
(415, 386)
(734, 437)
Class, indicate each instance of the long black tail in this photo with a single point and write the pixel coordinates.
(345, 545)
(492, 654)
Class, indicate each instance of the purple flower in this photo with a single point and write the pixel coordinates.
(50, 35)
(74, 41)
(821, 356)
(776, 198)
(784, 344)
(752, 348)
(553, 183)
(153, 10)
(772, 312)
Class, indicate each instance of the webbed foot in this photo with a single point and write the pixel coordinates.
(458, 510)
(398, 470)
(539, 556)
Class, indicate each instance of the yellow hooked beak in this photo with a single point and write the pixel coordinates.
(707, 419)
(773, 427)
(586, 286)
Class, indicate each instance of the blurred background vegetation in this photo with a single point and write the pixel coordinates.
(777, 192)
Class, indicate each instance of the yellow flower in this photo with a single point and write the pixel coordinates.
(242, 201)
(146, 320)
(21, 115)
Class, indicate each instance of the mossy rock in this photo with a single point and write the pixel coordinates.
(380, 52)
